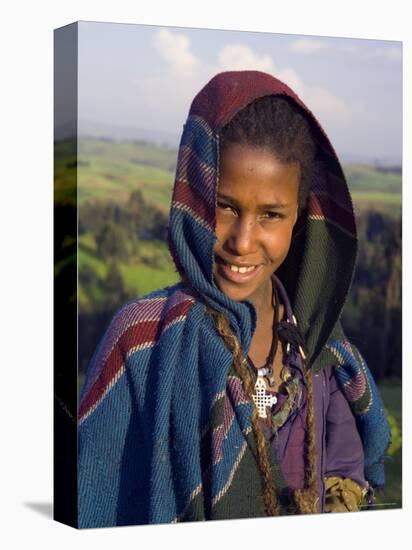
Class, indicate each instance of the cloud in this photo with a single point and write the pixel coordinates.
(323, 101)
(290, 77)
(174, 48)
(388, 53)
(309, 45)
(320, 100)
(236, 57)
(193, 72)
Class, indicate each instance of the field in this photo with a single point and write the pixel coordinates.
(110, 170)
(151, 269)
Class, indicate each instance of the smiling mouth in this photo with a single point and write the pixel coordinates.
(243, 269)
(236, 273)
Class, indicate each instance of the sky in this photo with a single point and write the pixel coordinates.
(139, 81)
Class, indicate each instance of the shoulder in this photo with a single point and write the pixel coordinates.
(142, 320)
(135, 327)
(176, 299)
(336, 351)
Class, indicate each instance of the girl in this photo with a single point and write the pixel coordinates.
(235, 393)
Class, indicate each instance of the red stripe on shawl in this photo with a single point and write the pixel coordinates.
(226, 94)
(136, 335)
(113, 365)
(149, 331)
(355, 388)
(236, 391)
(325, 180)
(190, 169)
(220, 432)
(185, 194)
(326, 207)
(347, 346)
(235, 396)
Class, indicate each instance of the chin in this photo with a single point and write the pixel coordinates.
(234, 294)
(237, 292)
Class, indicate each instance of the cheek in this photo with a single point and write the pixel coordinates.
(221, 230)
(279, 243)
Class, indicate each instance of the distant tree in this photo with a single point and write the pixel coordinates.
(115, 293)
(375, 225)
(158, 225)
(113, 282)
(87, 275)
(91, 218)
(111, 242)
(374, 316)
(136, 218)
(136, 201)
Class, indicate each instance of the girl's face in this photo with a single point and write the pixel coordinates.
(257, 207)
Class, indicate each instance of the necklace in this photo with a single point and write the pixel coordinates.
(261, 398)
(266, 371)
(290, 336)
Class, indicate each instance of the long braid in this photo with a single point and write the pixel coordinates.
(307, 499)
(269, 494)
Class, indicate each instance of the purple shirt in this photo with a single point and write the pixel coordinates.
(338, 443)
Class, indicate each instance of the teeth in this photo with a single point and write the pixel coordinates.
(241, 269)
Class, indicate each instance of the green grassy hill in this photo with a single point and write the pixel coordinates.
(362, 178)
(152, 268)
(373, 189)
(111, 170)
(138, 152)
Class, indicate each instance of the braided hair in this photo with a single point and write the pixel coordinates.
(275, 123)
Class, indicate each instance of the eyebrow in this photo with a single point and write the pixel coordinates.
(261, 206)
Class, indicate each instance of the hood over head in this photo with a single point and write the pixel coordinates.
(318, 270)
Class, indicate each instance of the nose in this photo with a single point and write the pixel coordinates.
(241, 239)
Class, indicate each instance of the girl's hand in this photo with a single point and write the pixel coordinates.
(343, 494)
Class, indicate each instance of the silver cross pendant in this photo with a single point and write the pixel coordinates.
(261, 398)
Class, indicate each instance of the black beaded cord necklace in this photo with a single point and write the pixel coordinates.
(289, 335)
(267, 370)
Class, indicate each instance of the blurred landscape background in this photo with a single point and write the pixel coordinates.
(134, 88)
(124, 191)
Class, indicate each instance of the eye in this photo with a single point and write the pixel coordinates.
(271, 215)
(225, 206)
